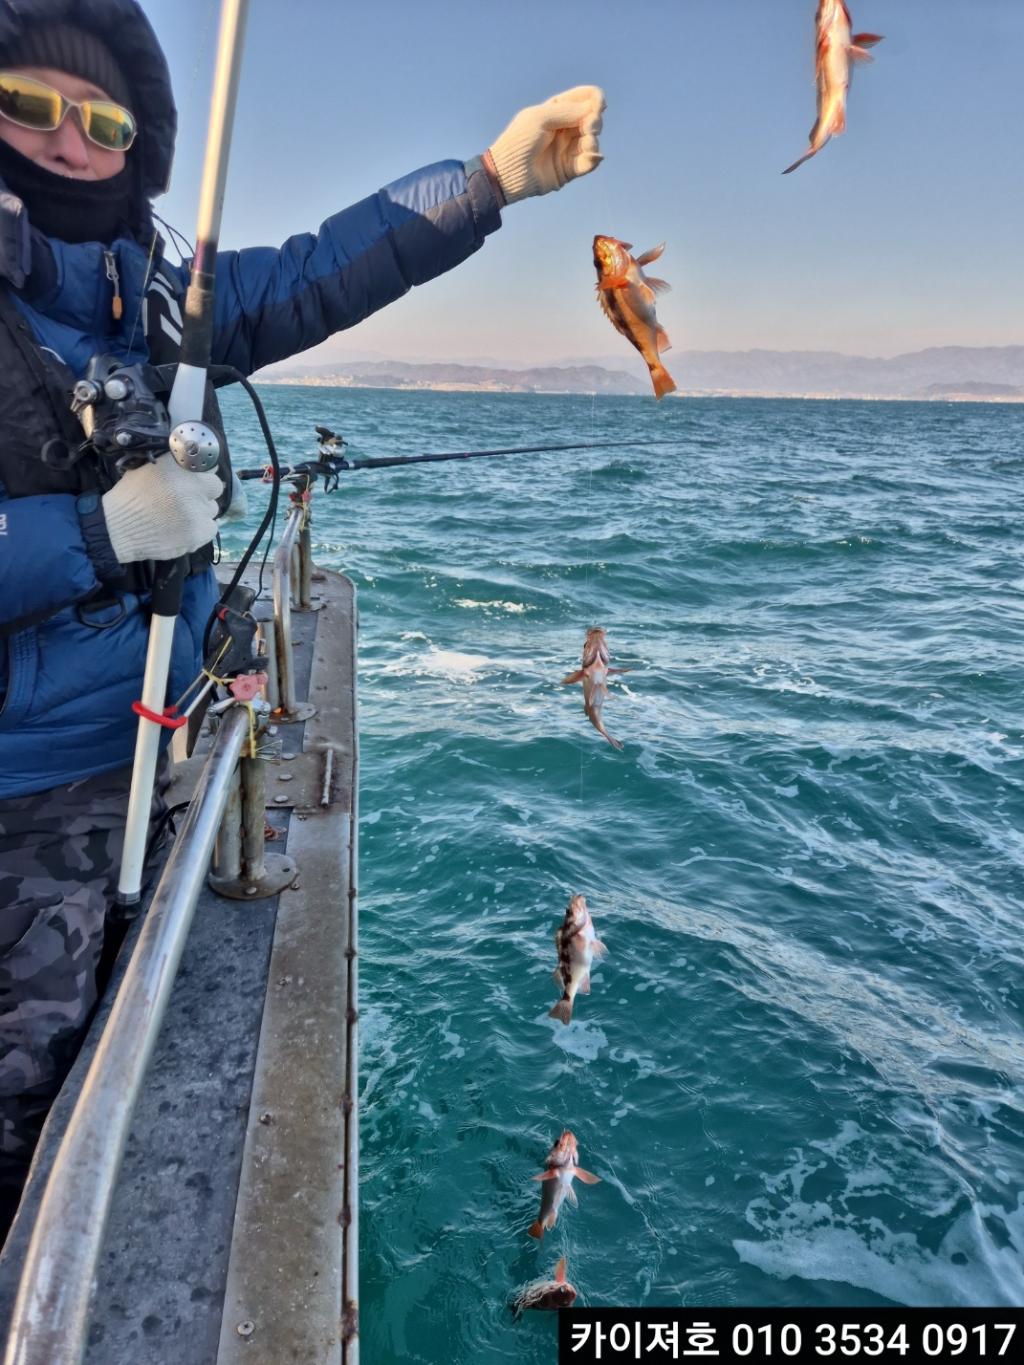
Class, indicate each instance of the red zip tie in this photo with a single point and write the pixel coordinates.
(168, 720)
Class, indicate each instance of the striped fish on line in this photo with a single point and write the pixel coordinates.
(627, 296)
(577, 946)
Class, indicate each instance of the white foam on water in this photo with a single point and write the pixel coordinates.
(438, 663)
(579, 1039)
(453, 1040)
(812, 1242)
(841, 1236)
(513, 608)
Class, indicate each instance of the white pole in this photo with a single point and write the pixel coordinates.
(185, 405)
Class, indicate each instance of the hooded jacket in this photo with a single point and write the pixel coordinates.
(72, 654)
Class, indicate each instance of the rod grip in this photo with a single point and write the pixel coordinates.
(168, 582)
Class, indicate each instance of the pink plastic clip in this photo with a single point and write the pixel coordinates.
(247, 685)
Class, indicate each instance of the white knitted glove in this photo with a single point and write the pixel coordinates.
(161, 511)
(549, 144)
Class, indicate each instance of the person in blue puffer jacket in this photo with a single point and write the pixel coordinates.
(87, 127)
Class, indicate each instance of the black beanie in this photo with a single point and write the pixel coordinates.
(64, 47)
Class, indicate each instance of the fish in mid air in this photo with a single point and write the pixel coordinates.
(593, 675)
(557, 1177)
(555, 1293)
(627, 296)
(577, 946)
(837, 50)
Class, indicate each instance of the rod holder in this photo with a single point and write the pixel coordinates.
(268, 647)
(290, 711)
(242, 868)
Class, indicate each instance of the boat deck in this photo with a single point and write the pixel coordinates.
(233, 1231)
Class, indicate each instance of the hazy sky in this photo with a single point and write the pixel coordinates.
(906, 232)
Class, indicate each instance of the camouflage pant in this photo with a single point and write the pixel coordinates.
(60, 853)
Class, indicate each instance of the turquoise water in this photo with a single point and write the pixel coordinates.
(799, 1073)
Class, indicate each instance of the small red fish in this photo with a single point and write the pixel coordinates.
(577, 946)
(557, 1180)
(556, 1293)
(594, 675)
(837, 50)
(627, 296)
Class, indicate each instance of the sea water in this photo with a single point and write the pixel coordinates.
(800, 1070)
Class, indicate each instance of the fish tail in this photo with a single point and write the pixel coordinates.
(615, 743)
(536, 1230)
(663, 381)
(811, 151)
(562, 1010)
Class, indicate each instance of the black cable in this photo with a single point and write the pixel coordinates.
(270, 514)
(164, 819)
(176, 237)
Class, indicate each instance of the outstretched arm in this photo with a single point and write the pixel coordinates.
(273, 303)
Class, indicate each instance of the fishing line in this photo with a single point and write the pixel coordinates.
(588, 519)
(200, 49)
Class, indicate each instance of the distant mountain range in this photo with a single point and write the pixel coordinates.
(985, 373)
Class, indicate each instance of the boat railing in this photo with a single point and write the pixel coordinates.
(225, 825)
(50, 1322)
(293, 579)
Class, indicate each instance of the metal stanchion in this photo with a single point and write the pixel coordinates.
(305, 568)
(290, 710)
(243, 870)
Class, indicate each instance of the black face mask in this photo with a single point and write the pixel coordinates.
(72, 210)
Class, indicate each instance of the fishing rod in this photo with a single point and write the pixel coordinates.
(193, 444)
(330, 464)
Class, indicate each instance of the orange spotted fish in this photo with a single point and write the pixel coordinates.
(577, 946)
(593, 675)
(557, 1178)
(837, 50)
(627, 296)
(556, 1293)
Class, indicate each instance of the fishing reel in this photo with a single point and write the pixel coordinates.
(123, 412)
(331, 461)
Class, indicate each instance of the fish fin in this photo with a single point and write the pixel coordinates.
(663, 381)
(549, 1174)
(556, 977)
(584, 987)
(838, 123)
(651, 255)
(570, 1194)
(866, 39)
(619, 670)
(598, 948)
(620, 282)
(860, 54)
(560, 1271)
(662, 342)
(587, 1177)
(573, 677)
(659, 286)
(536, 1230)
(562, 1010)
